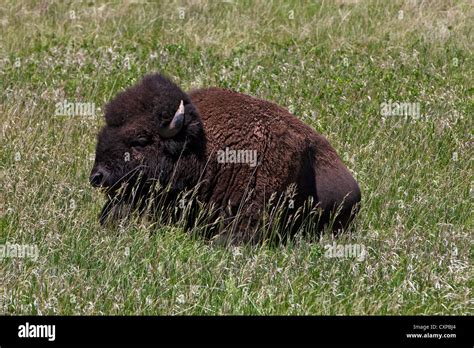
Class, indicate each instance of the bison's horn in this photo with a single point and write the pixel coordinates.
(175, 125)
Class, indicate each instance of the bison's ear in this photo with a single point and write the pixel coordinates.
(193, 125)
(191, 115)
(186, 119)
(173, 127)
(190, 136)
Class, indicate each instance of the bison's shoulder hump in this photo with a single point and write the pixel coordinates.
(216, 103)
(229, 112)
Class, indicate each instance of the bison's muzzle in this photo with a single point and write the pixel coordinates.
(98, 177)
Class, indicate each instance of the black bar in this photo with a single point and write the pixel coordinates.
(241, 330)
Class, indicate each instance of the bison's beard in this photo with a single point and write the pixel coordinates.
(151, 191)
(126, 195)
(121, 203)
(138, 193)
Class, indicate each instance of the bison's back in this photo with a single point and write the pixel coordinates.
(288, 151)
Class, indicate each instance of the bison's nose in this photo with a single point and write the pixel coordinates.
(97, 178)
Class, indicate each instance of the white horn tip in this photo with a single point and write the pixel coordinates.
(181, 108)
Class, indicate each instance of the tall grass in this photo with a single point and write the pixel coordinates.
(330, 63)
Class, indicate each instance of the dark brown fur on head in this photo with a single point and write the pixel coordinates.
(130, 145)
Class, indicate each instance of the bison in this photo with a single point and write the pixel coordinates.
(237, 152)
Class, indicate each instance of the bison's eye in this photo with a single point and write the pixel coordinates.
(140, 142)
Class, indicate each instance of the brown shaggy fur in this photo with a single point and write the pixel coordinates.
(288, 152)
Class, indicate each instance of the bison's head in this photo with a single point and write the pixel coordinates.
(153, 134)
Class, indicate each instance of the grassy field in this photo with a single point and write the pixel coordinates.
(333, 64)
